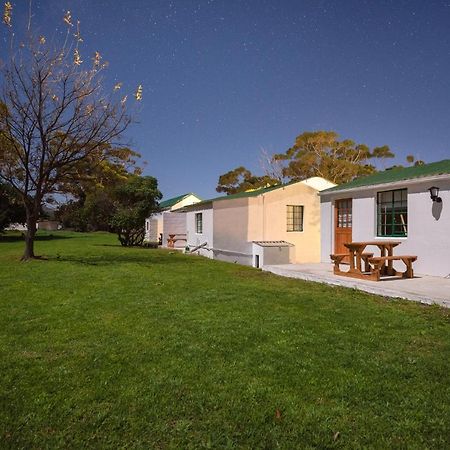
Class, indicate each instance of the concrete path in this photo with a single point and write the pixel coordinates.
(423, 289)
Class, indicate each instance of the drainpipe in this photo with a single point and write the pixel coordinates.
(331, 221)
(264, 220)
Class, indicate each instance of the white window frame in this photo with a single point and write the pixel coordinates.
(199, 223)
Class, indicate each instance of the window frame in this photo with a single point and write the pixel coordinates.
(343, 213)
(199, 223)
(392, 210)
(291, 219)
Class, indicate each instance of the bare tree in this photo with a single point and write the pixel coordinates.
(55, 115)
(271, 167)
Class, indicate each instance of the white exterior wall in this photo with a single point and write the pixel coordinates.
(174, 223)
(240, 221)
(326, 229)
(428, 224)
(194, 239)
(231, 231)
(153, 227)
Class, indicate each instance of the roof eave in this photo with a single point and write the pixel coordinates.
(204, 204)
(408, 181)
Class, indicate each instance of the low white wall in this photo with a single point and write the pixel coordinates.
(17, 227)
(271, 255)
(48, 225)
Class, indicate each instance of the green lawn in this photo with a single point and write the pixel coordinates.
(106, 347)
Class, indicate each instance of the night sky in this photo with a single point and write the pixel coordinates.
(223, 79)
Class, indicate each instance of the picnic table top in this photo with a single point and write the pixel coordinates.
(365, 243)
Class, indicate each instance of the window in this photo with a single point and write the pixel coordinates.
(294, 218)
(199, 223)
(392, 213)
(344, 213)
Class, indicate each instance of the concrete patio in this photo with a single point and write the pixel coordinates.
(421, 288)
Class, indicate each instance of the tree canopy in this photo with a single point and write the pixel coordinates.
(314, 153)
(241, 179)
(121, 208)
(133, 202)
(321, 153)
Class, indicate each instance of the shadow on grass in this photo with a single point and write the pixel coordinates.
(135, 247)
(109, 245)
(18, 237)
(107, 260)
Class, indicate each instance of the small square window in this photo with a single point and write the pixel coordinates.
(294, 217)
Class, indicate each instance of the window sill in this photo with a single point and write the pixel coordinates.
(391, 237)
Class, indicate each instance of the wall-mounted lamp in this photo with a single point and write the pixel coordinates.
(434, 194)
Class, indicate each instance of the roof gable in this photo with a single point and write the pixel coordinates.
(311, 182)
(396, 175)
(166, 204)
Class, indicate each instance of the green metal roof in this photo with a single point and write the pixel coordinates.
(245, 194)
(396, 175)
(166, 204)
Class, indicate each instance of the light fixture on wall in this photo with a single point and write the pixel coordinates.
(434, 194)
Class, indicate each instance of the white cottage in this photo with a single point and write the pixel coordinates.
(275, 225)
(161, 226)
(410, 204)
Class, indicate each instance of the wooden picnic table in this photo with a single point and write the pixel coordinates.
(356, 250)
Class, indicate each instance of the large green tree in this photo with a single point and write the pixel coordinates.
(321, 153)
(241, 179)
(314, 153)
(56, 115)
(91, 188)
(133, 202)
(92, 213)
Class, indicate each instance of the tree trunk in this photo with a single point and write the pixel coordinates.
(30, 235)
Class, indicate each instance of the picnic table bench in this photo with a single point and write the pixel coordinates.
(379, 261)
(338, 258)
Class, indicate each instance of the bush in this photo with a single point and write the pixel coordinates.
(148, 244)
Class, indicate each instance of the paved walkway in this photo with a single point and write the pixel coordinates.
(423, 289)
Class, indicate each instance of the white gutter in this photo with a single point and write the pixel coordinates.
(406, 182)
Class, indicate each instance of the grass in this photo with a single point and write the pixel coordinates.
(107, 347)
